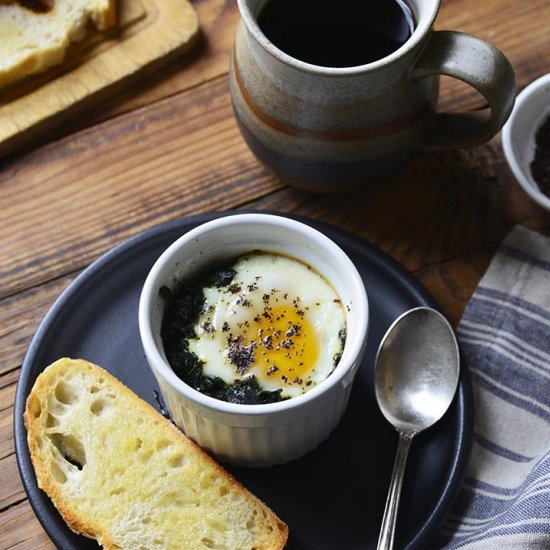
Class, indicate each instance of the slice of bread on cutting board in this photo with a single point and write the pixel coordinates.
(35, 34)
(122, 474)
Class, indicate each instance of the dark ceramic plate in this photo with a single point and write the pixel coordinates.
(333, 498)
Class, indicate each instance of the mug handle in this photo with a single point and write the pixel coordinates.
(483, 67)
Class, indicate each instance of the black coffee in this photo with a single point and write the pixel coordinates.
(336, 33)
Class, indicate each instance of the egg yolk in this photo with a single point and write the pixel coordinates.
(284, 342)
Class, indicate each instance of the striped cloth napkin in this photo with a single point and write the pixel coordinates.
(504, 502)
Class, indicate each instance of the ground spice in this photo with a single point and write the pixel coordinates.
(240, 355)
(540, 165)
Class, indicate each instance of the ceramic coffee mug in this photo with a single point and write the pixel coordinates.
(330, 129)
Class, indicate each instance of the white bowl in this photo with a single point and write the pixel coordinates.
(518, 135)
(274, 433)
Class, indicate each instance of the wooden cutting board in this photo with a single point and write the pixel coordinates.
(149, 33)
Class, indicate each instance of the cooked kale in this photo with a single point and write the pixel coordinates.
(219, 277)
(342, 337)
(248, 391)
(182, 310)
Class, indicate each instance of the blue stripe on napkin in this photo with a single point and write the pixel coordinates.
(504, 335)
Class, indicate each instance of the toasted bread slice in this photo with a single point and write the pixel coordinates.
(32, 40)
(120, 473)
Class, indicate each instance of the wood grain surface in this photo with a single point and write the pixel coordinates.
(149, 34)
(168, 147)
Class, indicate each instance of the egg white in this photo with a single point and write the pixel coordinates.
(289, 284)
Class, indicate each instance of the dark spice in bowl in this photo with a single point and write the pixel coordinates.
(540, 165)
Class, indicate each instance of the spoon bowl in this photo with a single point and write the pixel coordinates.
(415, 379)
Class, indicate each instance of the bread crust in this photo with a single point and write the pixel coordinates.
(111, 14)
(33, 42)
(108, 16)
(38, 407)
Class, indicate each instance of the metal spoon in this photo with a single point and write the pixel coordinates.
(415, 379)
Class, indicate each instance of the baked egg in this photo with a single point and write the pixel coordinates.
(277, 320)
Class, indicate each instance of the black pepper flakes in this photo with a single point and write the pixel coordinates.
(286, 343)
(267, 342)
(294, 330)
(241, 356)
(208, 327)
(243, 301)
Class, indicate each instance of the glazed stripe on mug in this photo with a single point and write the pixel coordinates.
(393, 127)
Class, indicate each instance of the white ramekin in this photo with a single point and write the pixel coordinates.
(518, 135)
(274, 433)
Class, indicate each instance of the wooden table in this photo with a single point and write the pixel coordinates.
(169, 147)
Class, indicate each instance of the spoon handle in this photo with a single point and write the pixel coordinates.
(387, 531)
